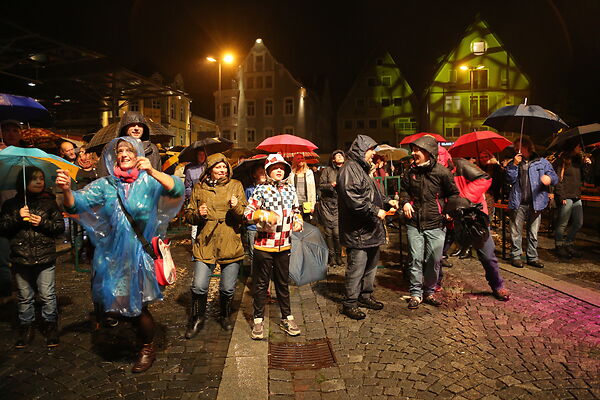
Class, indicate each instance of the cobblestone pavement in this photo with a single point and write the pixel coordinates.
(541, 344)
(96, 364)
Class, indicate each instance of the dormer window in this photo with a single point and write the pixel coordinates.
(478, 48)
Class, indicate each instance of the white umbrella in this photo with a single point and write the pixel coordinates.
(391, 153)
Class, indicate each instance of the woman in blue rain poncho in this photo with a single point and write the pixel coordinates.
(124, 281)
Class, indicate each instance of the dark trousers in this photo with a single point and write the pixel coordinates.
(360, 274)
(279, 264)
(332, 237)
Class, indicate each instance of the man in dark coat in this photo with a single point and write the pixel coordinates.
(426, 187)
(361, 220)
(327, 207)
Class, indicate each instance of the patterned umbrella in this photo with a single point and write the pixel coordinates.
(38, 136)
(158, 134)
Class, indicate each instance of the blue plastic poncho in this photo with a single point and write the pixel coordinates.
(123, 273)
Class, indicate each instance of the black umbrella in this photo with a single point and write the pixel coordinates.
(528, 119)
(158, 134)
(242, 172)
(209, 145)
(585, 135)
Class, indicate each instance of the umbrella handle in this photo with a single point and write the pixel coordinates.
(25, 191)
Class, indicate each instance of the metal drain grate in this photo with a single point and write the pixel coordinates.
(315, 354)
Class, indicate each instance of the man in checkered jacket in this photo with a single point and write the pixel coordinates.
(274, 208)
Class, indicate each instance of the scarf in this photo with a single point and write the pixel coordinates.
(127, 176)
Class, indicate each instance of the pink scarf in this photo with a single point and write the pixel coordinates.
(127, 176)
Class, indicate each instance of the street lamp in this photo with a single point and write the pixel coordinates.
(227, 59)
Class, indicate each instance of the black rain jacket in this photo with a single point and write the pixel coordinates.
(327, 207)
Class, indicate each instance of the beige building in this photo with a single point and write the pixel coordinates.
(264, 99)
(203, 128)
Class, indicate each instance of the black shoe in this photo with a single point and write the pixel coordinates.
(196, 321)
(445, 263)
(226, 312)
(432, 301)
(51, 334)
(353, 312)
(370, 303)
(563, 253)
(517, 263)
(25, 336)
(535, 263)
(573, 252)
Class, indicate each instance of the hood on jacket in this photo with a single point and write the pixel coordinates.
(273, 159)
(333, 156)
(429, 144)
(110, 155)
(133, 117)
(213, 160)
(359, 147)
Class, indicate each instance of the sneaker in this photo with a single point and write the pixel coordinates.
(517, 263)
(258, 330)
(370, 303)
(432, 301)
(414, 302)
(290, 326)
(353, 312)
(535, 263)
(502, 294)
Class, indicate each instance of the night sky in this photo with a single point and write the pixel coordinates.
(556, 42)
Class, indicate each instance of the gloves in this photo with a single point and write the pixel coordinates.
(265, 216)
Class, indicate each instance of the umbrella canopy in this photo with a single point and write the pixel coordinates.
(391, 153)
(209, 145)
(308, 259)
(21, 108)
(471, 144)
(39, 136)
(585, 135)
(527, 119)
(412, 138)
(158, 133)
(13, 159)
(243, 170)
(286, 144)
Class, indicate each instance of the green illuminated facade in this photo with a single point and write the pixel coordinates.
(478, 77)
(380, 104)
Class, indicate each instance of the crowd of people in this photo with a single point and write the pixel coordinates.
(124, 194)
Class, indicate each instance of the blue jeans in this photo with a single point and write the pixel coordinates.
(425, 248)
(28, 277)
(573, 210)
(520, 216)
(249, 246)
(202, 273)
(360, 274)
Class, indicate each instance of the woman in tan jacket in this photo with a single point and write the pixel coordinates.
(216, 206)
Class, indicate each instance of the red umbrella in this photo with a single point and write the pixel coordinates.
(286, 144)
(412, 138)
(471, 144)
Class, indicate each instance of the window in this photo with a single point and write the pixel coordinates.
(135, 106)
(348, 124)
(172, 110)
(250, 135)
(360, 124)
(372, 82)
(379, 61)
(288, 106)
(372, 124)
(268, 82)
(289, 130)
(258, 63)
(259, 82)
(452, 131)
(268, 63)
(479, 106)
(250, 83)
(386, 80)
(226, 134)
(268, 132)
(268, 107)
(385, 123)
(452, 76)
(360, 102)
(250, 108)
(156, 104)
(181, 113)
(452, 104)
(235, 108)
(226, 110)
(397, 101)
(406, 125)
(385, 102)
(479, 78)
(478, 47)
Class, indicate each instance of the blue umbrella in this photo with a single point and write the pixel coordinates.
(15, 159)
(308, 259)
(21, 108)
(523, 118)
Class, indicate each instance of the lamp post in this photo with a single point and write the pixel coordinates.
(227, 59)
(471, 72)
